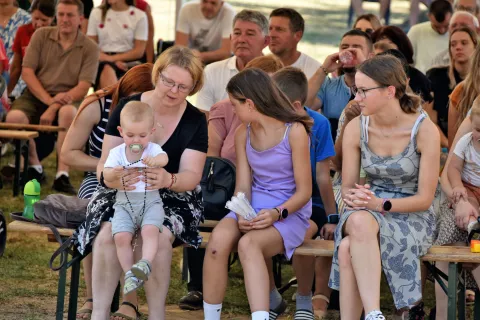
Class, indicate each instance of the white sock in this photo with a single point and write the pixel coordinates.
(61, 173)
(37, 167)
(212, 311)
(260, 315)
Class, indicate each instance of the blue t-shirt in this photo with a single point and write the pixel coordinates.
(321, 148)
(334, 94)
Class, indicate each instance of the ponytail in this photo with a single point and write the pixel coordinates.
(410, 103)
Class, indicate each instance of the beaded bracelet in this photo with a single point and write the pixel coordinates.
(174, 180)
(324, 70)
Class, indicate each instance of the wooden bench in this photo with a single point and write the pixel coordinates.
(30, 127)
(20, 140)
(455, 256)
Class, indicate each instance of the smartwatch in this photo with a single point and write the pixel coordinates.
(333, 218)
(283, 213)
(386, 205)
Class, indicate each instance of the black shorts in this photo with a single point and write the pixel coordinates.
(319, 216)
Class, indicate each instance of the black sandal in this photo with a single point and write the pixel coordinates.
(125, 317)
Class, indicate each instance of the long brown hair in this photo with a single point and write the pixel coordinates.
(269, 100)
(387, 70)
(137, 79)
(473, 37)
(105, 6)
(471, 86)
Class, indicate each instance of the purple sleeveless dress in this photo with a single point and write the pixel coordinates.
(273, 183)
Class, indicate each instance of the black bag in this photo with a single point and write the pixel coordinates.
(218, 185)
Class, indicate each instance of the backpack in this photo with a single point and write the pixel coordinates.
(218, 185)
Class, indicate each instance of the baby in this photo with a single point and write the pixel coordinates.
(464, 169)
(140, 207)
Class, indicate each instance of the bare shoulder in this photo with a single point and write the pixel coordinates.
(297, 131)
(428, 134)
(241, 134)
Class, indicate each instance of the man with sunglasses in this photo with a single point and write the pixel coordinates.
(331, 95)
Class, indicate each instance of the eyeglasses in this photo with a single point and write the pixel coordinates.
(362, 92)
(171, 84)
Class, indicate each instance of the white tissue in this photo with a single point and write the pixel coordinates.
(241, 206)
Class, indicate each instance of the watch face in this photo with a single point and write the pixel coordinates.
(284, 213)
(387, 205)
(333, 218)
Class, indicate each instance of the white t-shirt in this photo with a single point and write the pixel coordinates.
(471, 168)
(120, 29)
(426, 44)
(205, 34)
(118, 157)
(217, 75)
(307, 64)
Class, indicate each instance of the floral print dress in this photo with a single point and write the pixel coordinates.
(404, 237)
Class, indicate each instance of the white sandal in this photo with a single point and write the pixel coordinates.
(320, 314)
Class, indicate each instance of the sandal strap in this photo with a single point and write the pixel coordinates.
(88, 300)
(131, 305)
(322, 297)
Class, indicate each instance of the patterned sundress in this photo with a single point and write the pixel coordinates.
(404, 237)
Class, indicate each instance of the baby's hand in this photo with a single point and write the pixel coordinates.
(150, 161)
(459, 192)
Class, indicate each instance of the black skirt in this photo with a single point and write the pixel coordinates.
(183, 214)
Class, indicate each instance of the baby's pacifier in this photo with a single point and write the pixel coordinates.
(136, 147)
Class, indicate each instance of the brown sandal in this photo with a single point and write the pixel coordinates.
(320, 314)
(85, 311)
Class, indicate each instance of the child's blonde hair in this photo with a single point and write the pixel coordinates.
(475, 111)
(136, 111)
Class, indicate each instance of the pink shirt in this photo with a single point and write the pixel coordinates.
(3, 57)
(225, 122)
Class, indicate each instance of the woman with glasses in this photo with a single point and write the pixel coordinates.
(389, 224)
(181, 131)
(367, 23)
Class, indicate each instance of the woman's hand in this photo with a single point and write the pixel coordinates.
(121, 65)
(157, 178)
(361, 197)
(463, 211)
(113, 178)
(265, 218)
(244, 225)
(328, 231)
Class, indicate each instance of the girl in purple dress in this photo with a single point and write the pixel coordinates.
(273, 170)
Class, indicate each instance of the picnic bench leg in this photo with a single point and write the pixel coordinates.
(461, 294)
(25, 147)
(452, 290)
(62, 277)
(74, 282)
(16, 178)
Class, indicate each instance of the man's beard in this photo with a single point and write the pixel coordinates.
(349, 70)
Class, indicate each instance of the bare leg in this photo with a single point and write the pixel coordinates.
(156, 288)
(253, 248)
(323, 266)
(350, 302)
(362, 229)
(106, 272)
(215, 266)
(123, 243)
(357, 7)
(384, 5)
(87, 273)
(66, 114)
(414, 12)
(108, 77)
(304, 266)
(150, 242)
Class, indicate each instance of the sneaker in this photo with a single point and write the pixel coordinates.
(62, 184)
(8, 172)
(142, 269)
(131, 283)
(375, 315)
(274, 313)
(192, 301)
(34, 174)
(417, 313)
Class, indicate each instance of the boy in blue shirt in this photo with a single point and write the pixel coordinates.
(294, 84)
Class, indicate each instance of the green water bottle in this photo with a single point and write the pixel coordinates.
(31, 194)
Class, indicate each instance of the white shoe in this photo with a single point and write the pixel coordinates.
(375, 315)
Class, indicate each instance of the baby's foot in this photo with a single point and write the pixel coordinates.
(132, 283)
(142, 269)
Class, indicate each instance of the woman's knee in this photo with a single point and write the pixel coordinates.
(361, 225)
(66, 114)
(221, 243)
(246, 245)
(344, 257)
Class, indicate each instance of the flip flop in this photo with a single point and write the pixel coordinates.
(124, 316)
(85, 311)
